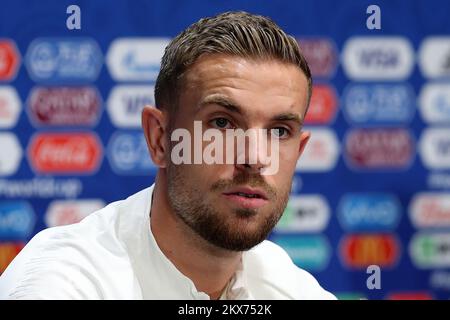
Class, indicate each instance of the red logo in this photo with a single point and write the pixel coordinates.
(321, 56)
(65, 153)
(9, 60)
(64, 105)
(360, 251)
(410, 296)
(379, 148)
(8, 251)
(322, 107)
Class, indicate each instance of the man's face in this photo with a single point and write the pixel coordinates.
(233, 206)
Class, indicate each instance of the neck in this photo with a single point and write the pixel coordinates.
(209, 267)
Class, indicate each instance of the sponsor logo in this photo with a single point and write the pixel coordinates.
(440, 280)
(308, 252)
(369, 212)
(379, 148)
(43, 188)
(434, 57)
(323, 106)
(321, 152)
(438, 181)
(350, 296)
(136, 59)
(63, 106)
(9, 60)
(128, 154)
(378, 104)
(410, 295)
(9, 107)
(68, 60)
(64, 212)
(10, 155)
(17, 220)
(378, 58)
(321, 56)
(125, 104)
(65, 153)
(362, 250)
(430, 210)
(430, 250)
(434, 103)
(8, 251)
(306, 213)
(434, 148)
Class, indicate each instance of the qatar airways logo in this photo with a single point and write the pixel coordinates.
(227, 146)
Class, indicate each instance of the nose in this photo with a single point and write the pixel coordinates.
(252, 152)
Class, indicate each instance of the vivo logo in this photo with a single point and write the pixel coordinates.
(369, 212)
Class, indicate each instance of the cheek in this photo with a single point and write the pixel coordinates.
(288, 158)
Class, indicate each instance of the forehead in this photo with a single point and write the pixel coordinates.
(249, 82)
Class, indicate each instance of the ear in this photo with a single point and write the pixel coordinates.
(154, 126)
(304, 138)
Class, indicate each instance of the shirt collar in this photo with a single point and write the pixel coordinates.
(156, 274)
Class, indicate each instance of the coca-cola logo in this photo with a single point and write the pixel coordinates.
(64, 106)
(65, 153)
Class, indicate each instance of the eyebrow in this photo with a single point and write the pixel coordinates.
(223, 102)
(228, 104)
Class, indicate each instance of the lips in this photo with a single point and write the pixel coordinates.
(247, 198)
(247, 192)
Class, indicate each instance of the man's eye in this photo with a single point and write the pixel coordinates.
(221, 123)
(280, 132)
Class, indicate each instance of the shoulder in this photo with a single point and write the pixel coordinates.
(272, 275)
(68, 262)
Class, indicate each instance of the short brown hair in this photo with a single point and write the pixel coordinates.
(235, 33)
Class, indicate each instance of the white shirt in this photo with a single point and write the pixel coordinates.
(112, 254)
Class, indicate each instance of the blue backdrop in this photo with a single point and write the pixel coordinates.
(373, 188)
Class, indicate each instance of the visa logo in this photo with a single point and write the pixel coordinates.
(379, 57)
(134, 104)
(125, 104)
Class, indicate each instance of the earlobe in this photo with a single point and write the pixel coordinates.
(153, 125)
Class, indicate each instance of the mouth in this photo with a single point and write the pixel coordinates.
(247, 192)
(245, 197)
